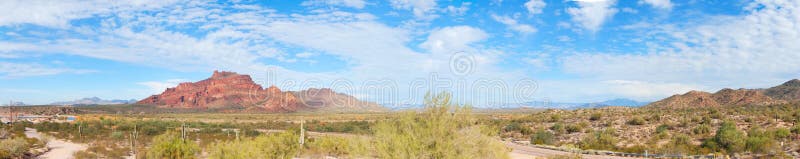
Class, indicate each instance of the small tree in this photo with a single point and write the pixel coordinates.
(542, 137)
(728, 138)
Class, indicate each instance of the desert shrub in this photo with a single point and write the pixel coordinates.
(542, 137)
(117, 135)
(517, 127)
(662, 128)
(727, 138)
(170, 145)
(570, 156)
(339, 146)
(595, 116)
(636, 121)
(759, 141)
(555, 118)
(14, 148)
(572, 128)
(558, 128)
(443, 130)
(680, 144)
(781, 133)
(701, 129)
(796, 129)
(281, 145)
(600, 140)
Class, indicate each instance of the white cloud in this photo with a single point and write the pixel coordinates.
(647, 90)
(17, 70)
(753, 51)
(420, 8)
(304, 55)
(458, 11)
(660, 4)
(453, 39)
(535, 6)
(591, 14)
(359, 4)
(514, 25)
(156, 87)
(59, 13)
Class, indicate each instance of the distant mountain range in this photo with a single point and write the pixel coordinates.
(94, 101)
(784, 93)
(542, 105)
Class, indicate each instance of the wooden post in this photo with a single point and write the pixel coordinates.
(183, 132)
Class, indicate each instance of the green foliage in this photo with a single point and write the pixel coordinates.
(572, 128)
(781, 133)
(662, 128)
(542, 137)
(555, 118)
(600, 140)
(727, 139)
(517, 127)
(170, 145)
(679, 144)
(352, 147)
(759, 141)
(442, 131)
(558, 128)
(636, 121)
(701, 129)
(14, 148)
(796, 129)
(281, 145)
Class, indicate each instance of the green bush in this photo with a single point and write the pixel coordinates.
(443, 130)
(636, 121)
(351, 147)
(701, 129)
(170, 145)
(517, 127)
(558, 128)
(759, 141)
(282, 145)
(662, 128)
(572, 128)
(781, 133)
(542, 137)
(600, 140)
(727, 138)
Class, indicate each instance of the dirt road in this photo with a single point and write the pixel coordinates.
(59, 149)
(527, 152)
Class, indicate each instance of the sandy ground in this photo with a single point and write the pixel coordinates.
(526, 152)
(59, 149)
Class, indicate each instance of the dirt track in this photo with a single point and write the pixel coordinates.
(59, 149)
(527, 152)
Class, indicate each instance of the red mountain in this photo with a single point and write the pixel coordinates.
(787, 92)
(232, 90)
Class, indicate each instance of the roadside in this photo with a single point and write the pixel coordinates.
(59, 149)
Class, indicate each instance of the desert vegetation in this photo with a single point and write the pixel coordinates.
(740, 130)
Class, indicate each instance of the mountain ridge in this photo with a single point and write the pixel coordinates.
(787, 92)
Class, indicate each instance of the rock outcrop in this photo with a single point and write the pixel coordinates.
(231, 90)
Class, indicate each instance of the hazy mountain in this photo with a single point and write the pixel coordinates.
(617, 102)
(94, 101)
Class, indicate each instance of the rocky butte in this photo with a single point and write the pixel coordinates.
(229, 90)
(784, 93)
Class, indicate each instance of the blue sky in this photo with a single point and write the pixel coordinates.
(485, 52)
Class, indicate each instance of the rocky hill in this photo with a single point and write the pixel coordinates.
(787, 92)
(225, 90)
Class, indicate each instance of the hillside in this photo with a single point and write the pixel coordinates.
(786, 92)
(226, 90)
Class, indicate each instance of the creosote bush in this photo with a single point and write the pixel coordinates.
(170, 145)
(443, 130)
(283, 145)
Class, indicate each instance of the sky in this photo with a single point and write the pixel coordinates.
(487, 53)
